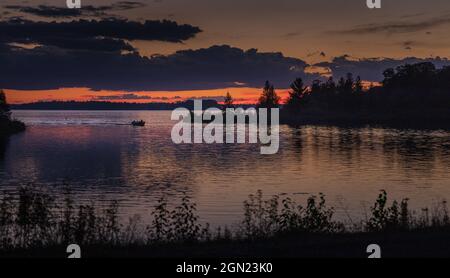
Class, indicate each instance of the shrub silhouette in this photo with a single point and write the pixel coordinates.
(177, 225)
(265, 218)
(33, 219)
(395, 217)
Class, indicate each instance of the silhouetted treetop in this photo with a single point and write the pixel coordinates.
(4, 107)
(296, 95)
(228, 101)
(269, 98)
(416, 77)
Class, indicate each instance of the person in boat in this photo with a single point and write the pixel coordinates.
(138, 123)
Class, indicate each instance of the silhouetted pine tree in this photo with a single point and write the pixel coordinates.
(269, 98)
(296, 95)
(228, 102)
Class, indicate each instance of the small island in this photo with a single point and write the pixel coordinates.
(8, 125)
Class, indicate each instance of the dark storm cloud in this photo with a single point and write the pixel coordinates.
(95, 35)
(86, 10)
(372, 68)
(397, 27)
(19, 29)
(215, 67)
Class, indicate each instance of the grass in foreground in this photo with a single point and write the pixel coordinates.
(33, 224)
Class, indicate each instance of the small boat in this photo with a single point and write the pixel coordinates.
(138, 123)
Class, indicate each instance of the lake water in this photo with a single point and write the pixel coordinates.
(102, 160)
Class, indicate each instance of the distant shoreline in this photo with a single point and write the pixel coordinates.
(113, 106)
(424, 119)
(101, 106)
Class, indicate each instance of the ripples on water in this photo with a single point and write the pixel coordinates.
(102, 160)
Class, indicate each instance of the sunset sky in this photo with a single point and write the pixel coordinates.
(304, 38)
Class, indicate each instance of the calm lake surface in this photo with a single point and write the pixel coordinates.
(102, 160)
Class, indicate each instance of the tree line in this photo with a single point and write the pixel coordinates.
(411, 92)
(7, 124)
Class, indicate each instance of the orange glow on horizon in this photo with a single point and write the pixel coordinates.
(241, 95)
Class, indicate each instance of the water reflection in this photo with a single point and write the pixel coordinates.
(102, 160)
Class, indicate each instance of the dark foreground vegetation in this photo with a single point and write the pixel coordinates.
(8, 126)
(33, 224)
(417, 94)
